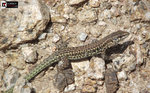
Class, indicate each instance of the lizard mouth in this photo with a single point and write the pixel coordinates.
(124, 38)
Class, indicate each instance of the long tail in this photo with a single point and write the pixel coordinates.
(46, 63)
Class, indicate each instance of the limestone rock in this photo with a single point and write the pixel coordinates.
(94, 3)
(22, 24)
(82, 36)
(76, 2)
(10, 77)
(86, 16)
(97, 68)
(15, 59)
(22, 87)
(30, 55)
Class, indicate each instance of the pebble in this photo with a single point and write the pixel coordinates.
(107, 13)
(22, 87)
(139, 55)
(126, 62)
(148, 86)
(58, 19)
(42, 36)
(55, 38)
(97, 68)
(76, 2)
(82, 36)
(147, 15)
(29, 54)
(87, 16)
(100, 82)
(122, 75)
(90, 82)
(83, 66)
(138, 26)
(1, 75)
(88, 89)
(80, 68)
(94, 3)
(15, 59)
(141, 11)
(70, 88)
(11, 75)
(94, 31)
(102, 23)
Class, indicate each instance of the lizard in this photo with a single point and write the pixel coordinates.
(77, 53)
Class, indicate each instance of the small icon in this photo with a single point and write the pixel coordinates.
(3, 4)
(9, 4)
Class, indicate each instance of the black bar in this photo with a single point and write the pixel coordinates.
(12, 4)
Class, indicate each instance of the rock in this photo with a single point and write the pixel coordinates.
(97, 68)
(63, 78)
(96, 30)
(83, 66)
(80, 69)
(94, 3)
(136, 2)
(87, 16)
(138, 26)
(56, 38)
(141, 11)
(147, 15)
(2, 69)
(88, 89)
(82, 36)
(139, 55)
(148, 86)
(29, 54)
(29, 20)
(70, 88)
(10, 77)
(89, 86)
(111, 81)
(107, 13)
(122, 75)
(106, 5)
(115, 11)
(15, 59)
(76, 2)
(89, 82)
(58, 19)
(100, 82)
(126, 62)
(22, 87)
(42, 36)
(101, 23)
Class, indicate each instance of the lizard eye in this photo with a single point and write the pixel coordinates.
(115, 39)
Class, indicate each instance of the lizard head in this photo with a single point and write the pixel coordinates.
(119, 36)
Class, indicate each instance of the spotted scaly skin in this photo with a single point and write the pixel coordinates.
(77, 53)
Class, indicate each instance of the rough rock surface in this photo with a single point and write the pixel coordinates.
(26, 25)
(22, 24)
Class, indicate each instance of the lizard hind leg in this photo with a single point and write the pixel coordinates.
(63, 64)
(63, 79)
(65, 75)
